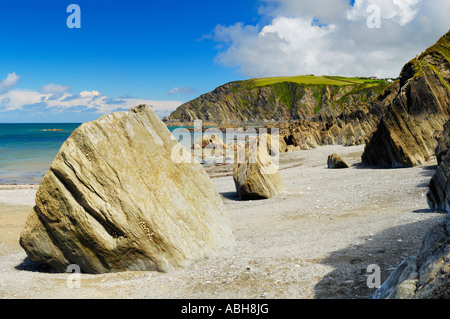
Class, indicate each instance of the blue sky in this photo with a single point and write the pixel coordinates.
(142, 49)
(166, 52)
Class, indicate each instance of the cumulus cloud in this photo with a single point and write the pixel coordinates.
(16, 99)
(331, 37)
(89, 94)
(56, 101)
(9, 82)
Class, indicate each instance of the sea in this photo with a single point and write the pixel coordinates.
(27, 150)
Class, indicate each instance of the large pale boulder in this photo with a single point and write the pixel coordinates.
(255, 175)
(123, 195)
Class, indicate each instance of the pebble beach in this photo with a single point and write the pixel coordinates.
(314, 241)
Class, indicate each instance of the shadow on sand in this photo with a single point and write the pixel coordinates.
(28, 265)
(231, 196)
(386, 249)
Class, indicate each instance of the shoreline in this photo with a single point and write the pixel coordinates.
(18, 186)
(314, 241)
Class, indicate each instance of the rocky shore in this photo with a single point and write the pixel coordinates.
(315, 240)
(140, 218)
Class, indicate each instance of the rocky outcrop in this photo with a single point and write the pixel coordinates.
(308, 115)
(438, 195)
(251, 101)
(425, 276)
(405, 136)
(118, 197)
(210, 141)
(276, 143)
(255, 175)
(336, 162)
(353, 126)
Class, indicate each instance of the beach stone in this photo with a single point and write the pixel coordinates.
(426, 275)
(275, 143)
(255, 175)
(336, 162)
(210, 141)
(122, 195)
(209, 146)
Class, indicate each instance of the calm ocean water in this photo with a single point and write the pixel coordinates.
(27, 150)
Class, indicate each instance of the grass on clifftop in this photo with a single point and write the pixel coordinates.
(315, 80)
(442, 46)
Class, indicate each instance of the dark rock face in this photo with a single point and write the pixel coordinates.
(443, 148)
(406, 134)
(352, 126)
(438, 196)
(425, 276)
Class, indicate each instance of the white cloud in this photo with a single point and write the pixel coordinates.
(331, 37)
(28, 100)
(9, 82)
(16, 99)
(89, 93)
(400, 11)
(54, 88)
(183, 90)
(328, 10)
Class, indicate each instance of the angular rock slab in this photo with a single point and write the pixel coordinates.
(405, 136)
(119, 196)
(336, 162)
(256, 176)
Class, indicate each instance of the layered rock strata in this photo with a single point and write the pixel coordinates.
(118, 197)
(405, 136)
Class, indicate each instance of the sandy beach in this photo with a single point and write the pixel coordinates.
(315, 240)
